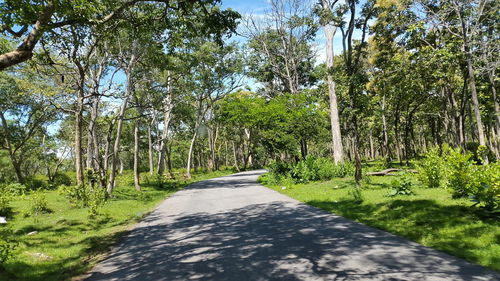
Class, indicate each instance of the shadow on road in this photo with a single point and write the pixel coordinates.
(274, 241)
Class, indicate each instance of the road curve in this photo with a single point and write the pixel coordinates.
(232, 228)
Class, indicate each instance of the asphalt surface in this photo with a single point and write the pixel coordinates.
(232, 228)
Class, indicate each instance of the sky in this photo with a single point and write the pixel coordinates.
(259, 7)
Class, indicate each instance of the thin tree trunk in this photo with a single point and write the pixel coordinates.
(119, 128)
(385, 131)
(190, 153)
(137, 180)
(78, 138)
(150, 151)
(167, 116)
(496, 107)
(235, 156)
(338, 152)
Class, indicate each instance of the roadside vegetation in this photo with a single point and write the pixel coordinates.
(451, 204)
(53, 236)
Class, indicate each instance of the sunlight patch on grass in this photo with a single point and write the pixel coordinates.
(430, 217)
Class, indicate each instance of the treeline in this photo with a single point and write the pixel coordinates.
(155, 86)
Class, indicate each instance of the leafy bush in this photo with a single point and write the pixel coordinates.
(38, 203)
(461, 173)
(485, 192)
(97, 198)
(279, 168)
(37, 182)
(61, 179)
(6, 248)
(402, 186)
(5, 199)
(15, 189)
(431, 170)
(308, 169)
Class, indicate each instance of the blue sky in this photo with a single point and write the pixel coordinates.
(259, 7)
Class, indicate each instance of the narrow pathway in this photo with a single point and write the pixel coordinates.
(232, 228)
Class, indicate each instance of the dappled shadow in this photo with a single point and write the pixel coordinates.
(239, 180)
(278, 240)
(416, 220)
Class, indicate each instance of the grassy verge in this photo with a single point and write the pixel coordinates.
(430, 217)
(68, 242)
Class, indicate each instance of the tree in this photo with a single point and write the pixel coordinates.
(24, 115)
(38, 18)
(327, 20)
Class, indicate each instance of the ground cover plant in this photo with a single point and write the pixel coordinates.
(71, 238)
(406, 206)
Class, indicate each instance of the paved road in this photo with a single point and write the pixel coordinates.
(232, 228)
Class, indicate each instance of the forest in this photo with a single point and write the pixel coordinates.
(105, 98)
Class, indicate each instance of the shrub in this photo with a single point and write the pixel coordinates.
(61, 179)
(402, 186)
(37, 182)
(5, 199)
(15, 189)
(344, 169)
(38, 203)
(6, 248)
(306, 170)
(431, 170)
(461, 177)
(96, 198)
(279, 167)
(485, 193)
(75, 194)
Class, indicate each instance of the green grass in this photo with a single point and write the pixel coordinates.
(430, 217)
(71, 240)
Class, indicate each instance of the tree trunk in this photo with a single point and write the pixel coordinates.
(497, 109)
(235, 156)
(190, 153)
(137, 180)
(119, 128)
(386, 150)
(150, 151)
(338, 152)
(78, 137)
(167, 116)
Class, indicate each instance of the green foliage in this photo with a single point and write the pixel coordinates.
(96, 199)
(37, 182)
(486, 190)
(15, 189)
(6, 247)
(460, 173)
(278, 167)
(355, 194)
(61, 179)
(308, 169)
(431, 170)
(403, 186)
(38, 203)
(5, 199)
